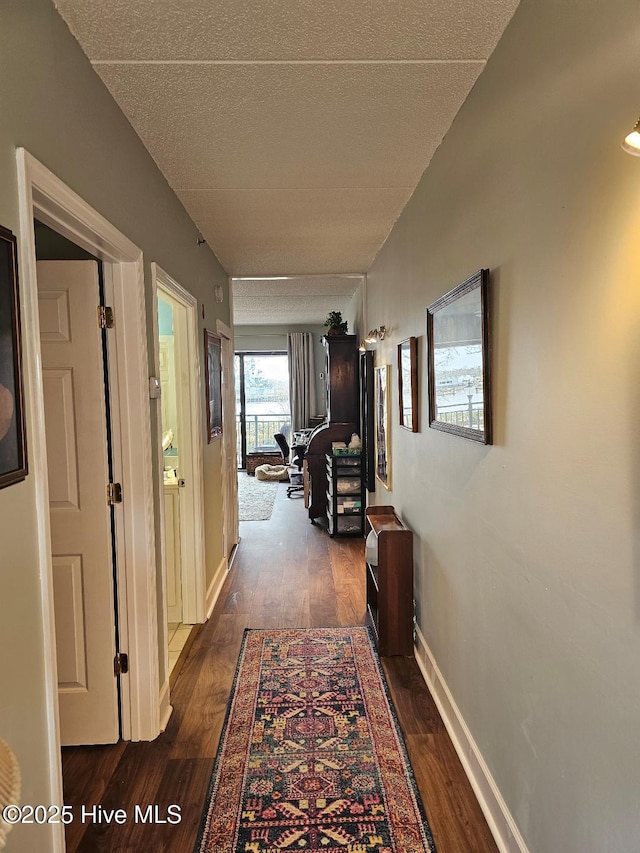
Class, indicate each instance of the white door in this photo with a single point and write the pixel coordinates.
(77, 456)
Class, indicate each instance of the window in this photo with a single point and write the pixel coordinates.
(262, 401)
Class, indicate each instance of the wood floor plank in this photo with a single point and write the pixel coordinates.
(286, 573)
(83, 787)
(411, 697)
(454, 815)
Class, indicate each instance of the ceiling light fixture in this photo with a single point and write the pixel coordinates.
(631, 142)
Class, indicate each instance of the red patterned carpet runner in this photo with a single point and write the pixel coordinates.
(311, 756)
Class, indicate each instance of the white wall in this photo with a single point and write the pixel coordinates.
(527, 553)
(54, 105)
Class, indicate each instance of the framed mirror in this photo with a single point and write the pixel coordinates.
(383, 425)
(408, 383)
(459, 360)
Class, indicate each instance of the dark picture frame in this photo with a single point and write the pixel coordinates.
(459, 355)
(13, 442)
(383, 424)
(408, 384)
(213, 381)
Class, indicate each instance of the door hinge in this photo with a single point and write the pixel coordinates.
(121, 664)
(114, 494)
(105, 317)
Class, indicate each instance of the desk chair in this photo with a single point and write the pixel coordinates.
(298, 456)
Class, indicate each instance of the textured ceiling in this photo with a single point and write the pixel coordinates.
(294, 131)
(299, 299)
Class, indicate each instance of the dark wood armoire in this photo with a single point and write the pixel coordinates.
(342, 388)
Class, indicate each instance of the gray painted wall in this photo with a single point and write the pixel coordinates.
(527, 552)
(53, 104)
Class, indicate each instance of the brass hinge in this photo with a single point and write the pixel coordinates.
(114, 494)
(121, 664)
(105, 317)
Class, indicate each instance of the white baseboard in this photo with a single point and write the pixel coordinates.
(501, 823)
(216, 585)
(165, 707)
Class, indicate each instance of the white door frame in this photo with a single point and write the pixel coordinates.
(192, 459)
(43, 195)
(231, 531)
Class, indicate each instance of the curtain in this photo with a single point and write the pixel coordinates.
(301, 378)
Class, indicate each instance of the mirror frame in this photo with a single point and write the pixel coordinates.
(382, 379)
(478, 281)
(409, 345)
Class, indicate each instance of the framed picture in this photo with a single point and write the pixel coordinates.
(408, 383)
(13, 446)
(459, 360)
(213, 379)
(367, 418)
(383, 425)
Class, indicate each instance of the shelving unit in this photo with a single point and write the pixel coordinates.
(342, 397)
(390, 582)
(345, 495)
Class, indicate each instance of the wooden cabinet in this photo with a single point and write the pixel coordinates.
(345, 499)
(342, 378)
(390, 581)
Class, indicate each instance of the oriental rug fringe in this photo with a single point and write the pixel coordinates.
(311, 756)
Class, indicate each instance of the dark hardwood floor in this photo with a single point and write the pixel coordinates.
(287, 573)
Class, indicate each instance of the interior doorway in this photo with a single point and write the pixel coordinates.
(180, 437)
(44, 197)
(262, 402)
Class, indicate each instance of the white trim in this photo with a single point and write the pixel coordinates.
(230, 515)
(224, 330)
(165, 707)
(38, 467)
(216, 585)
(135, 516)
(501, 823)
(192, 496)
(43, 195)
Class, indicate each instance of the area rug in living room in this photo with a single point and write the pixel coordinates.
(255, 498)
(311, 756)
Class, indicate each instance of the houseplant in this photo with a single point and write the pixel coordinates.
(335, 324)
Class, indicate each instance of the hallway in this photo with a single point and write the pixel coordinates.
(287, 573)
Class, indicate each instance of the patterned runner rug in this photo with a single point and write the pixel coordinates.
(311, 756)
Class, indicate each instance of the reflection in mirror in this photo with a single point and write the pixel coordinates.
(408, 383)
(458, 335)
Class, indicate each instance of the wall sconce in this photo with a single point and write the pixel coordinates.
(631, 142)
(376, 335)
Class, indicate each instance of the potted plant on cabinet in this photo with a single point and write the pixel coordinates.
(335, 324)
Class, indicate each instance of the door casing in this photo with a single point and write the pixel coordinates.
(44, 196)
(191, 461)
(231, 530)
